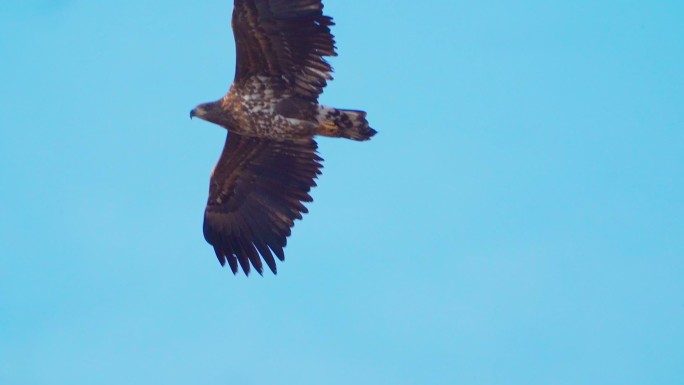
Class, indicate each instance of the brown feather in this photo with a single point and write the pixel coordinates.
(250, 212)
(287, 39)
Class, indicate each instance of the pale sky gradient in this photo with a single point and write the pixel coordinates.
(518, 220)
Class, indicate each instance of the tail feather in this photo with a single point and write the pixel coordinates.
(350, 124)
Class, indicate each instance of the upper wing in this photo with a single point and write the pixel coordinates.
(255, 194)
(284, 38)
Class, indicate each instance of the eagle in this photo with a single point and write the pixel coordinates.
(272, 116)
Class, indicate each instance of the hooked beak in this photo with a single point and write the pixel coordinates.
(192, 113)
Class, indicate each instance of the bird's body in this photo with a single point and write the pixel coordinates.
(264, 107)
(272, 114)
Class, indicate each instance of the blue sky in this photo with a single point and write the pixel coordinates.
(517, 220)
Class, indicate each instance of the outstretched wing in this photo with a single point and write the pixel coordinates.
(287, 39)
(255, 194)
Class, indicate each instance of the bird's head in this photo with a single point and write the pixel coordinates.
(207, 111)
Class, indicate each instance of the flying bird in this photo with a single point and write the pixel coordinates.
(271, 114)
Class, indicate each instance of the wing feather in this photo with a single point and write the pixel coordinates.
(255, 194)
(286, 40)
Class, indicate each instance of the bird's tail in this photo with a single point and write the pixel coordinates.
(350, 124)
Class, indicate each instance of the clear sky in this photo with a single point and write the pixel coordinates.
(519, 218)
